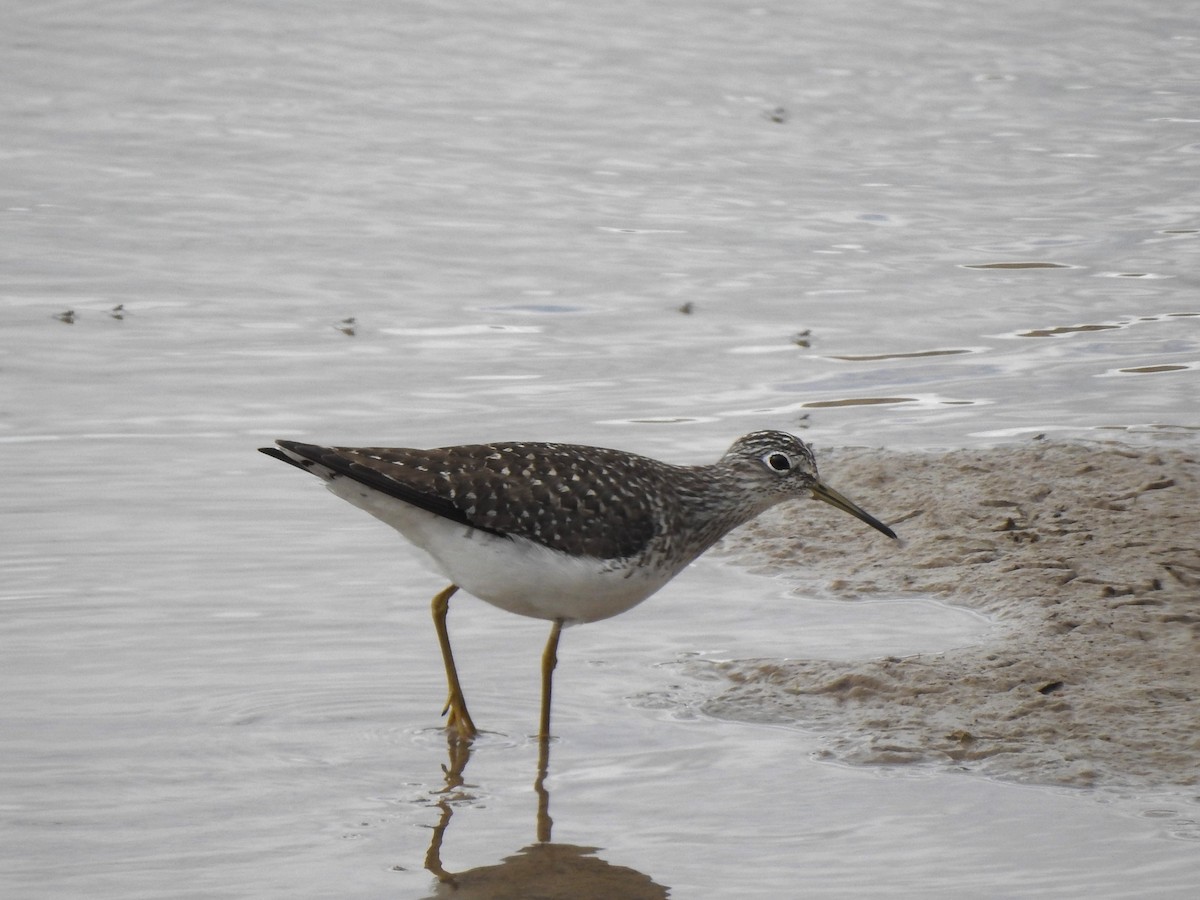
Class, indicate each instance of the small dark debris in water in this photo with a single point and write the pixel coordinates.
(1050, 687)
(778, 115)
(688, 308)
(67, 316)
(346, 326)
(801, 338)
(118, 311)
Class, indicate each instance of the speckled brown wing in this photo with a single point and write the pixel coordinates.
(585, 501)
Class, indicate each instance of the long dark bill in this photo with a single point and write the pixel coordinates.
(833, 498)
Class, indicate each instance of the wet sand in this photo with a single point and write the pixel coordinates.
(1087, 556)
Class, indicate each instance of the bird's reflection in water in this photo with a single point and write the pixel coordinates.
(542, 869)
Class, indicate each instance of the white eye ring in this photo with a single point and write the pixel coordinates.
(777, 462)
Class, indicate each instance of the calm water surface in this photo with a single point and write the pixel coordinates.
(894, 224)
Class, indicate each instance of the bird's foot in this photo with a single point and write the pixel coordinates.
(457, 717)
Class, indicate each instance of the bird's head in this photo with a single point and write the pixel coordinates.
(782, 467)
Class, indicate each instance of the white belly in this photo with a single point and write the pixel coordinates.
(514, 574)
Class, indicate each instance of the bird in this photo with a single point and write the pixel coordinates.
(562, 532)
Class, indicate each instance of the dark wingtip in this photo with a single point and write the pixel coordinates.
(278, 454)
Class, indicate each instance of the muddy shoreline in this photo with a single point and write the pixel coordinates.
(1086, 555)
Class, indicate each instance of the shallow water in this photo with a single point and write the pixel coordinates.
(221, 681)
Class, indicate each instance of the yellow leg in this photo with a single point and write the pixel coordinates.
(549, 661)
(455, 710)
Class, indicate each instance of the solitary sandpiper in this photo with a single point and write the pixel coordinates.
(560, 531)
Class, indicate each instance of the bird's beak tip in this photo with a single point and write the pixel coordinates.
(833, 498)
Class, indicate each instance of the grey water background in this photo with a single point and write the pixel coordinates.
(902, 224)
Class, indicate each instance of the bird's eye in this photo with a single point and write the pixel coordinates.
(777, 462)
